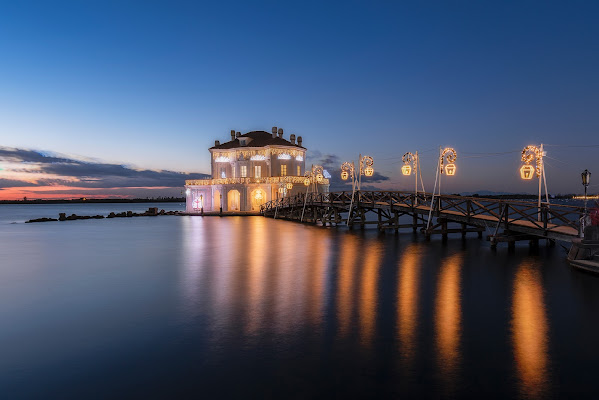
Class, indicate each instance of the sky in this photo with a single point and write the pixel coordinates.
(123, 98)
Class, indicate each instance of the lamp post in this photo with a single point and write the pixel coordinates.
(312, 178)
(407, 169)
(446, 165)
(366, 168)
(527, 171)
(586, 180)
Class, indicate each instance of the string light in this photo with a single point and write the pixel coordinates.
(451, 155)
(408, 158)
(530, 153)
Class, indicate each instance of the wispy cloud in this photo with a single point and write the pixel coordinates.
(20, 168)
(332, 163)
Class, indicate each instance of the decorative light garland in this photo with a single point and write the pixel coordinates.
(528, 154)
(451, 155)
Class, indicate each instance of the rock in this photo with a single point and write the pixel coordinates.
(41, 220)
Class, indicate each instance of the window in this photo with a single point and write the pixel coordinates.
(299, 170)
(283, 170)
(257, 171)
(223, 174)
(244, 171)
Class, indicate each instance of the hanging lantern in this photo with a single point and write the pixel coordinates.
(258, 195)
(369, 171)
(344, 175)
(406, 169)
(289, 185)
(450, 169)
(527, 172)
(307, 182)
(319, 178)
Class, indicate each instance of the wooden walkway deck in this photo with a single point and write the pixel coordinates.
(509, 220)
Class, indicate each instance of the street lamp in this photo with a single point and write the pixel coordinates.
(407, 169)
(586, 180)
(527, 171)
(366, 168)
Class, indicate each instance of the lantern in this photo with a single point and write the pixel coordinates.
(527, 172)
(319, 178)
(369, 171)
(258, 195)
(281, 190)
(406, 169)
(586, 177)
(344, 175)
(289, 185)
(307, 182)
(450, 169)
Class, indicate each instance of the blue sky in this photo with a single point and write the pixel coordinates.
(152, 84)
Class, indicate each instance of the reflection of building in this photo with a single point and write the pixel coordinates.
(250, 170)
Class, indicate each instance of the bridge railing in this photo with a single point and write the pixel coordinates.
(548, 217)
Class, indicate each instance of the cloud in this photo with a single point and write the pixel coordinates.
(332, 163)
(36, 168)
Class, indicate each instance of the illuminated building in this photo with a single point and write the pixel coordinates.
(248, 171)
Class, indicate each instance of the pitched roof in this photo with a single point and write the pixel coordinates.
(257, 139)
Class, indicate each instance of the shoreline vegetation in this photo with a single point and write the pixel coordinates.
(86, 200)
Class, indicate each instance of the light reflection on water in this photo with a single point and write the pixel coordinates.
(530, 331)
(285, 309)
(448, 319)
(407, 301)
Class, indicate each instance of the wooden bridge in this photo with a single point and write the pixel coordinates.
(509, 220)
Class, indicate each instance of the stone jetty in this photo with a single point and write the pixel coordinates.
(151, 212)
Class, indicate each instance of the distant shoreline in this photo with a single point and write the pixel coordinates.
(103, 201)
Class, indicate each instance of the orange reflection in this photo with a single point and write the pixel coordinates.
(530, 331)
(347, 264)
(407, 301)
(368, 289)
(315, 282)
(257, 254)
(448, 317)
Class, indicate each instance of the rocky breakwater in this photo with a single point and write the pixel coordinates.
(152, 212)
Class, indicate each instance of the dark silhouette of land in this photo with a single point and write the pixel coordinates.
(86, 200)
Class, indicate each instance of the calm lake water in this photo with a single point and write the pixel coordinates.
(248, 307)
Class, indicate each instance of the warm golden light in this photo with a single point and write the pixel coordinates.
(450, 169)
(281, 190)
(407, 302)
(368, 290)
(258, 195)
(527, 172)
(369, 171)
(406, 170)
(451, 155)
(528, 154)
(344, 175)
(448, 317)
(319, 178)
(289, 185)
(307, 182)
(530, 331)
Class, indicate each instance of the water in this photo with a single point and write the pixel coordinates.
(247, 307)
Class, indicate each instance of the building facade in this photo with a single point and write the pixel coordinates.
(249, 170)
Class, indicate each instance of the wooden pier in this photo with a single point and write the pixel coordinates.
(509, 220)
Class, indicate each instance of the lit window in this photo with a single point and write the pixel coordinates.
(257, 171)
(244, 171)
(223, 174)
(283, 170)
(299, 170)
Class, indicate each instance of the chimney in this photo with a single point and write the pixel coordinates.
(238, 134)
(299, 140)
(292, 138)
(232, 134)
(281, 132)
(216, 143)
(274, 132)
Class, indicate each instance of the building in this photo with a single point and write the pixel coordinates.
(249, 170)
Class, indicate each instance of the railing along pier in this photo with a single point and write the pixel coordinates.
(509, 220)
